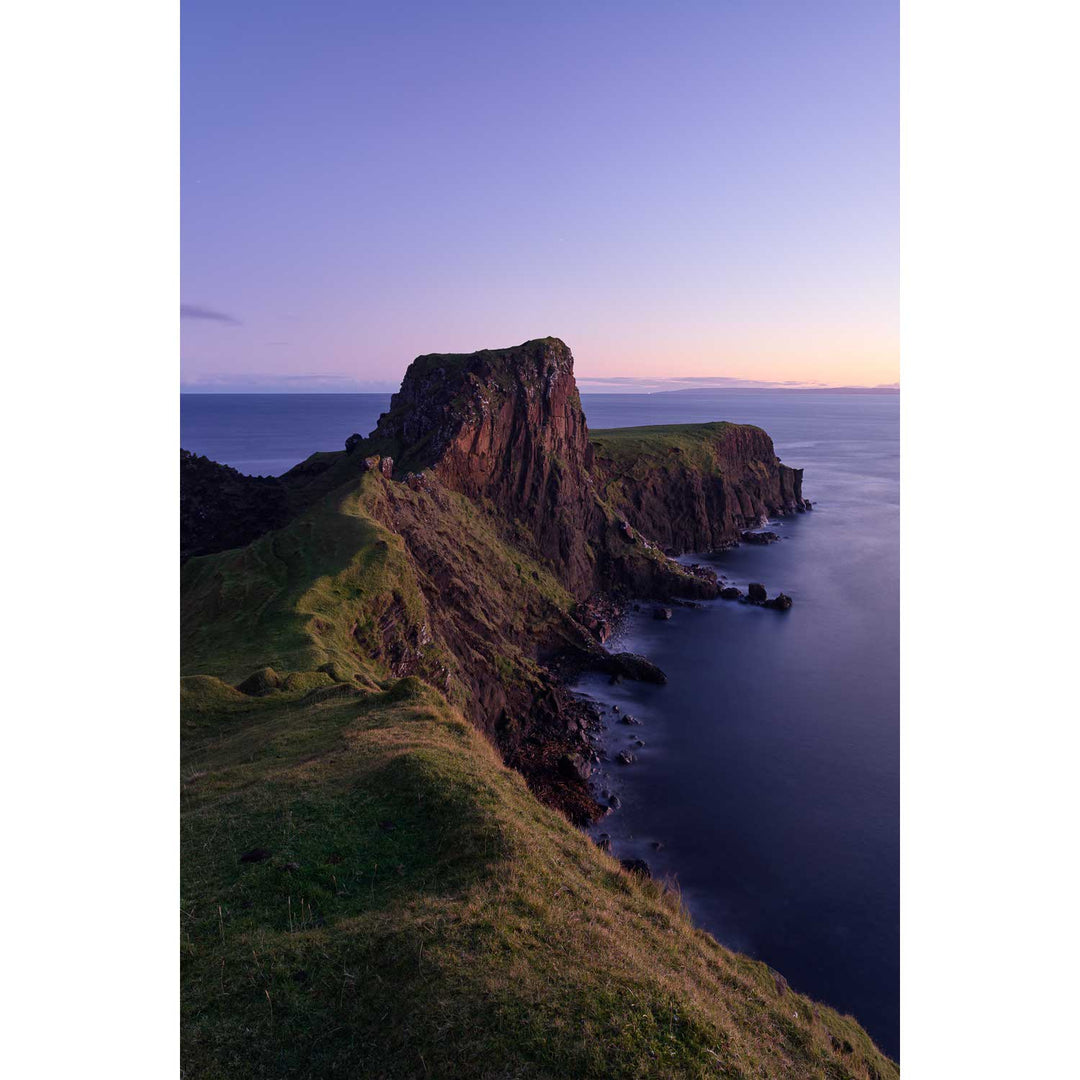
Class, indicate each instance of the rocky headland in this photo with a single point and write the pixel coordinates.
(485, 460)
(464, 560)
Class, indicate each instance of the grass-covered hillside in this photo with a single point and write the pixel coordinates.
(367, 889)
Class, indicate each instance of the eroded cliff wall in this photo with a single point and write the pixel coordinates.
(505, 428)
(695, 487)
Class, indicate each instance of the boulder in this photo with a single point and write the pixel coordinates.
(759, 537)
(624, 757)
(636, 866)
(661, 613)
(632, 666)
(575, 767)
(730, 592)
(780, 602)
(626, 718)
(757, 592)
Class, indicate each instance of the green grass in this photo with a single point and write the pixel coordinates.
(298, 598)
(637, 449)
(420, 913)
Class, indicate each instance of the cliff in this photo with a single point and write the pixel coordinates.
(695, 487)
(505, 426)
(377, 750)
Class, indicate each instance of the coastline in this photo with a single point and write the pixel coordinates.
(462, 564)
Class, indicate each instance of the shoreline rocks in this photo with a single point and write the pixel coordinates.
(760, 538)
(780, 602)
(632, 666)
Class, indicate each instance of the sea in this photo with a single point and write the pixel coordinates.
(767, 790)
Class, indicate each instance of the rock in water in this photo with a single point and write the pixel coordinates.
(661, 613)
(757, 592)
(632, 666)
(780, 602)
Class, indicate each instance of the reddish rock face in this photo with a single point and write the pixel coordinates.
(685, 508)
(506, 426)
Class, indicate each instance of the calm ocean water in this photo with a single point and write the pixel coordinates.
(770, 774)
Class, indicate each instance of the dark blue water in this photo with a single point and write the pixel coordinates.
(770, 773)
(771, 767)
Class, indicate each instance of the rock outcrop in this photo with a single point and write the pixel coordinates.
(505, 427)
(698, 487)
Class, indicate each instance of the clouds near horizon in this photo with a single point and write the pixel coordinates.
(196, 311)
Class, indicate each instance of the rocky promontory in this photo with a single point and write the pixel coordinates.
(380, 754)
(515, 535)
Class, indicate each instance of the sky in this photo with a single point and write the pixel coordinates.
(683, 190)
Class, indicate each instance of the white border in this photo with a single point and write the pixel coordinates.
(990, 291)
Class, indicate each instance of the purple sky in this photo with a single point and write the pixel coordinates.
(692, 189)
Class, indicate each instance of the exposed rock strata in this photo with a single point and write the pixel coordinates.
(505, 427)
(707, 504)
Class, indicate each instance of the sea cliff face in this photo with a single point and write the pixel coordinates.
(698, 487)
(505, 427)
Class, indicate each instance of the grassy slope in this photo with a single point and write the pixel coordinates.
(420, 914)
